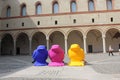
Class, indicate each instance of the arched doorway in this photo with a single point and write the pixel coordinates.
(113, 39)
(75, 37)
(22, 44)
(57, 38)
(38, 39)
(94, 41)
(7, 45)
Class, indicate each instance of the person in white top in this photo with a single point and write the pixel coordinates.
(119, 50)
(110, 50)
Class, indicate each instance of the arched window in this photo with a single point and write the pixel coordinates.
(91, 5)
(8, 13)
(109, 4)
(55, 7)
(73, 6)
(23, 10)
(38, 9)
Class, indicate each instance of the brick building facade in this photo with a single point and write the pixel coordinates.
(25, 24)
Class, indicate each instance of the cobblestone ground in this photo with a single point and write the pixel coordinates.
(19, 78)
(101, 63)
(9, 64)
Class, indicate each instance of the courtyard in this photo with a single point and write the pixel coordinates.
(99, 66)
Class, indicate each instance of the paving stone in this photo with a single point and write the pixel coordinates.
(98, 67)
(20, 78)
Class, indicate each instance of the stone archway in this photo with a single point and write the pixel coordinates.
(22, 44)
(75, 37)
(112, 40)
(57, 38)
(7, 45)
(38, 39)
(94, 41)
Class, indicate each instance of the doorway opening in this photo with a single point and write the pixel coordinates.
(90, 48)
(18, 51)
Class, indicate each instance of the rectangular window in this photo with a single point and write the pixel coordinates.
(38, 23)
(111, 19)
(56, 22)
(7, 25)
(22, 23)
(74, 20)
(93, 20)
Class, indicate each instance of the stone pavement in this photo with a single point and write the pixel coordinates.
(99, 67)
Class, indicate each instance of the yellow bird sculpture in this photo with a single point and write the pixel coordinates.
(76, 55)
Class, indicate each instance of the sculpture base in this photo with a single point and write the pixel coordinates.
(56, 64)
(40, 64)
(73, 63)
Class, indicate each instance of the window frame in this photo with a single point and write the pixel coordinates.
(109, 5)
(54, 8)
(8, 11)
(72, 6)
(23, 12)
(91, 5)
(36, 8)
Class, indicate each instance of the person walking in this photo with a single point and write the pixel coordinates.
(119, 50)
(110, 50)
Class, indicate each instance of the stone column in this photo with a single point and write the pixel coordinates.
(66, 47)
(84, 39)
(104, 44)
(30, 46)
(14, 52)
(47, 38)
